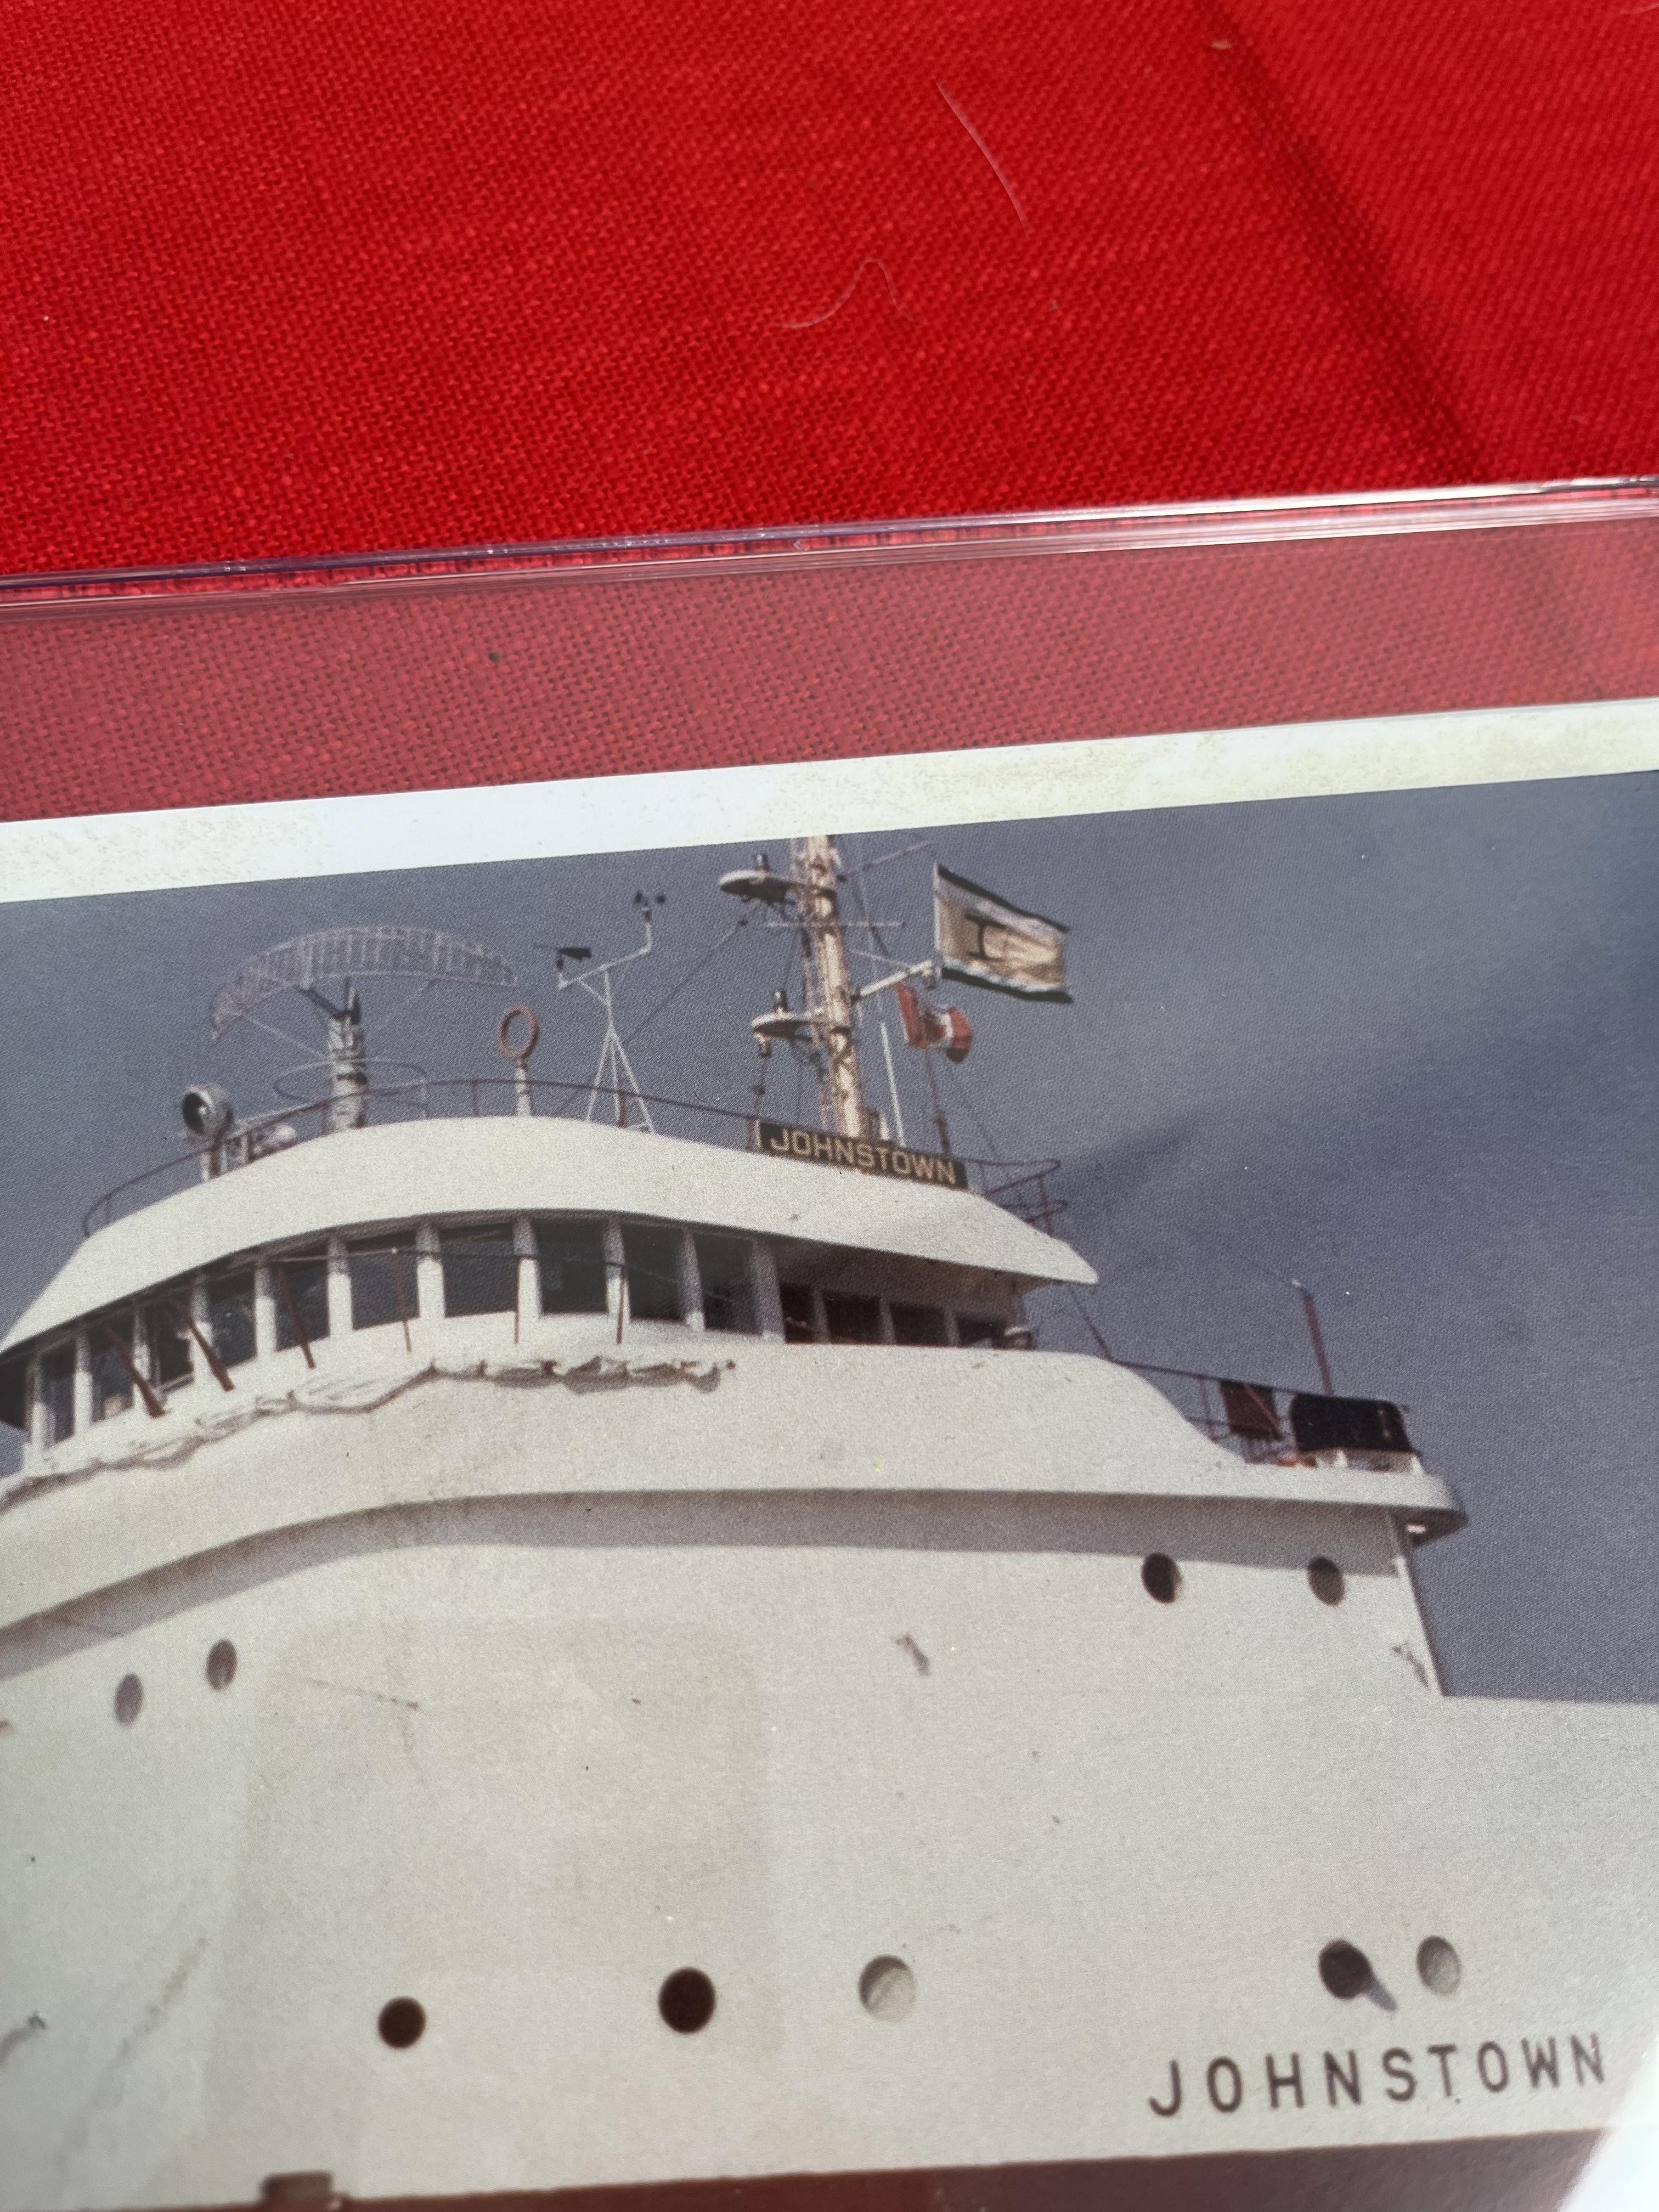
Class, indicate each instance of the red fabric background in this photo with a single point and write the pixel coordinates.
(308, 277)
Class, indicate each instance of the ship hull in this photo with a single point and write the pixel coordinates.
(545, 1691)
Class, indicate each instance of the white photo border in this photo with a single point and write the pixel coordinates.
(102, 854)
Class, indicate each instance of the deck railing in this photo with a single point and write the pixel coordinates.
(1020, 1187)
(1276, 1424)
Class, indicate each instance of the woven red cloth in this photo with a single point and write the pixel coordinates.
(310, 277)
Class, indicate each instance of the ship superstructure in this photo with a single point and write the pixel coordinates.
(541, 1651)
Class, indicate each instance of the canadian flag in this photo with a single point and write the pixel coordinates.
(947, 1030)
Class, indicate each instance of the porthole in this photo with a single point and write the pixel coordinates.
(887, 1989)
(1327, 1580)
(1438, 1967)
(222, 1664)
(1345, 1969)
(1160, 1577)
(129, 1700)
(402, 2022)
(686, 2001)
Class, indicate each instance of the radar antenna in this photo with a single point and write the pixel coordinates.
(339, 957)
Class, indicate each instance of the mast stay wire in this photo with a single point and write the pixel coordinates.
(300, 1044)
(790, 952)
(996, 1155)
(1082, 1305)
(965, 1094)
(855, 876)
(1203, 1238)
(398, 1011)
(689, 977)
(902, 852)
(1198, 1236)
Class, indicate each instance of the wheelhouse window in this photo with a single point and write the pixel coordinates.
(978, 1328)
(110, 1343)
(167, 1332)
(653, 1260)
(799, 1313)
(570, 1259)
(481, 1270)
(726, 1270)
(230, 1316)
(299, 1286)
(853, 1318)
(384, 1285)
(920, 1324)
(14, 1393)
(58, 1392)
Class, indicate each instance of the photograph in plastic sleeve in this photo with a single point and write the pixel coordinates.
(949, 1513)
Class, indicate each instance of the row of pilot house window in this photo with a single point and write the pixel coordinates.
(630, 1271)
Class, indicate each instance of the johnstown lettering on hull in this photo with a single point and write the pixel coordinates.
(865, 1155)
(1285, 2083)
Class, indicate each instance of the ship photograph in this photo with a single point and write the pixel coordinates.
(951, 1519)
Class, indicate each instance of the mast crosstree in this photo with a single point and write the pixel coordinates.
(826, 1023)
(978, 937)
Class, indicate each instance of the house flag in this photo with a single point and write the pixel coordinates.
(982, 940)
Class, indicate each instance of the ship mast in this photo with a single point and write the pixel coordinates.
(823, 1027)
(828, 985)
(348, 1059)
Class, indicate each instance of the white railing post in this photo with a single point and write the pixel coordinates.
(143, 1352)
(530, 1274)
(37, 1409)
(339, 1288)
(691, 1281)
(201, 1312)
(429, 1271)
(264, 1310)
(768, 1302)
(616, 1275)
(82, 1415)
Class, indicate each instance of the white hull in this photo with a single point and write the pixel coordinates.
(546, 1689)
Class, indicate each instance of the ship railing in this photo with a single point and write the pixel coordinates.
(1026, 1192)
(1278, 1425)
(1020, 1187)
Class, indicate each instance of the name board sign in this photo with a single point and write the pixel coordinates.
(1441, 2072)
(865, 1155)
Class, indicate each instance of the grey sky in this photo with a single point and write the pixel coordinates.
(1402, 1047)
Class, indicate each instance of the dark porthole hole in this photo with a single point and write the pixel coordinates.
(1345, 1969)
(1438, 1967)
(887, 1989)
(402, 2021)
(1327, 1580)
(686, 2001)
(129, 1700)
(1160, 1577)
(222, 1664)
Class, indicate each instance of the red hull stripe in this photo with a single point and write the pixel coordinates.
(1501, 2173)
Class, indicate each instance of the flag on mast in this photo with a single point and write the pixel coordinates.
(982, 940)
(927, 1029)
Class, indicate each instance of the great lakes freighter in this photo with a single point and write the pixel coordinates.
(541, 1654)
